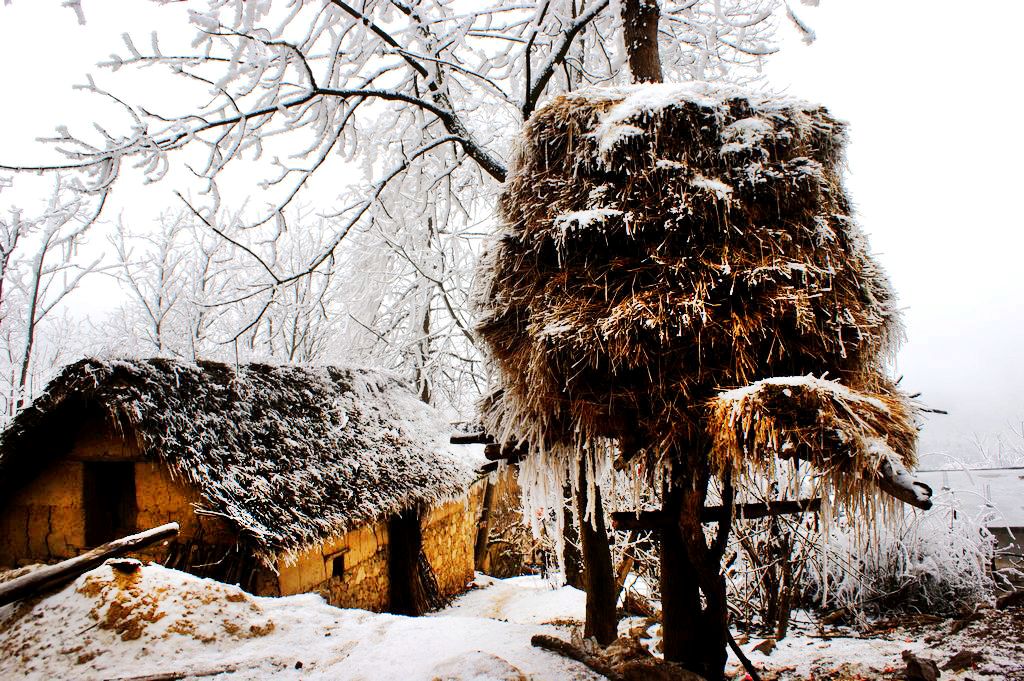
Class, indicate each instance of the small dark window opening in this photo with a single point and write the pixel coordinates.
(109, 497)
(338, 565)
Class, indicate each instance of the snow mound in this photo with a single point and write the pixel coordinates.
(124, 620)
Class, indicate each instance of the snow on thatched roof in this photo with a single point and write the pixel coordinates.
(291, 456)
(664, 243)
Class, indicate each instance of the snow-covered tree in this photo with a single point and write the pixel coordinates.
(39, 268)
(413, 103)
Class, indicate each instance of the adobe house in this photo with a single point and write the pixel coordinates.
(283, 479)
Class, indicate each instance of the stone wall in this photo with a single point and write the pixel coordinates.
(449, 535)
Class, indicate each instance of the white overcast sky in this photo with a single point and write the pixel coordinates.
(930, 89)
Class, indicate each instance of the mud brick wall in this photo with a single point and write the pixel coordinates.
(363, 554)
(44, 520)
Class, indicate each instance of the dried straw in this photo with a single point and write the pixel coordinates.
(665, 242)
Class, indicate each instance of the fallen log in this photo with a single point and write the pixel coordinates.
(54, 575)
(656, 520)
(183, 674)
(566, 649)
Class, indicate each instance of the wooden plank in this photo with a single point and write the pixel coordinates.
(480, 438)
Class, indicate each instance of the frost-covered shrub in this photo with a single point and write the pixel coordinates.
(912, 563)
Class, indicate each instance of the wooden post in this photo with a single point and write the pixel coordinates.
(659, 520)
(484, 528)
(695, 635)
(680, 596)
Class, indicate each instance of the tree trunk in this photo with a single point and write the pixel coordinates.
(680, 593)
(598, 573)
(694, 635)
(640, 36)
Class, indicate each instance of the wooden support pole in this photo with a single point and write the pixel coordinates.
(65, 571)
(484, 527)
(598, 573)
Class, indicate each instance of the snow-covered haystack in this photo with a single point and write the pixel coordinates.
(836, 429)
(666, 242)
(289, 455)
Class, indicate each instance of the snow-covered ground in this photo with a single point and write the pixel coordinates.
(115, 624)
(112, 625)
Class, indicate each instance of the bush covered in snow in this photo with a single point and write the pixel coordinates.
(936, 562)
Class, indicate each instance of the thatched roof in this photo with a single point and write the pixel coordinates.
(290, 456)
(664, 243)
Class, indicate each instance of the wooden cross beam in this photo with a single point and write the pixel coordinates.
(658, 520)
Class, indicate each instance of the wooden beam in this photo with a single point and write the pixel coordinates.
(759, 510)
(656, 520)
(496, 452)
(65, 571)
(647, 520)
(480, 438)
(894, 479)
